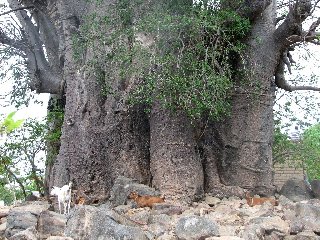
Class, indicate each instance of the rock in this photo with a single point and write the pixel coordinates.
(157, 230)
(307, 216)
(162, 219)
(91, 223)
(167, 209)
(168, 236)
(296, 227)
(23, 217)
(3, 227)
(4, 212)
(271, 224)
(253, 232)
(306, 235)
(211, 201)
(296, 190)
(28, 234)
(140, 217)
(123, 186)
(286, 202)
(59, 238)
(315, 186)
(51, 224)
(225, 238)
(121, 209)
(228, 231)
(195, 227)
(159, 224)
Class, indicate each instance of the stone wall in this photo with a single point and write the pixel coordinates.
(285, 171)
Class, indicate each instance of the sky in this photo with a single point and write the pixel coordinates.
(33, 110)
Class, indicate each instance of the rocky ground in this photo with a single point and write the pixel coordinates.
(213, 218)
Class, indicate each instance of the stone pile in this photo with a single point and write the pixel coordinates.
(210, 219)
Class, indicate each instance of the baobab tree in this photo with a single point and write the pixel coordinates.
(176, 94)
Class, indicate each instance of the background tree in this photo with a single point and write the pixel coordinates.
(21, 158)
(210, 126)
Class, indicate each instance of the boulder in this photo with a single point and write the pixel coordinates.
(253, 232)
(122, 188)
(91, 223)
(307, 217)
(195, 227)
(51, 224)
(296, 190)
(28, 234)
(306, 235)
(23, 217)
(271, 224)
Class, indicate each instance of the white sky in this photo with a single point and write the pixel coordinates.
(33, 111)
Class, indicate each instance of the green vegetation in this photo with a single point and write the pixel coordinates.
(175, 52)
(9, 124)
(310, 151)
(303, 153)
(22, 154)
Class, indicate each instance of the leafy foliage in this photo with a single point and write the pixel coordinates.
(177, 52)
(9, 124)
(304, 153)
(311, 151)
(22, 155)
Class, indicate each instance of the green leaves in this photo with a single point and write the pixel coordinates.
(177, 52)
(304, 153)
(9, 124)
(311, 151)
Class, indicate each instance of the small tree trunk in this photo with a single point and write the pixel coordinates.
(175, 162)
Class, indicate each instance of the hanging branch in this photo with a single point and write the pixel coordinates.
(282, 83)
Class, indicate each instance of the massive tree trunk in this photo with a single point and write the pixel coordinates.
(245, 138)
(175, 161)
(104, 137)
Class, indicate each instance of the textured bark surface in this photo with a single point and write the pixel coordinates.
(175, 162)
(237, 151)
(104, 138)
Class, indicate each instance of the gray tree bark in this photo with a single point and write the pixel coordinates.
(175, 162)
(103, 137)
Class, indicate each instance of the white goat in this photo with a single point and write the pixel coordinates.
(64, 196)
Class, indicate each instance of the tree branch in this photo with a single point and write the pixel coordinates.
(16, 9)
(282, 83)
(44, 79)
(306, 36)
(292, 25)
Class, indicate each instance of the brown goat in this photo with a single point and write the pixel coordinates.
(145, 201)
(253, 201)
